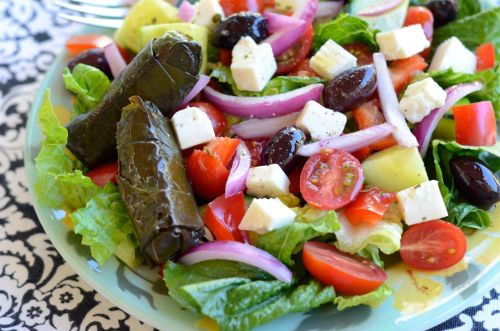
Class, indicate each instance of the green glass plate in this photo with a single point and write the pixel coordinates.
(421, 300)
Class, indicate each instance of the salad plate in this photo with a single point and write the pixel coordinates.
(420, 300)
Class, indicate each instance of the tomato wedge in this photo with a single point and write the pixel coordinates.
(362, 153)
(225, 57)
(80, 43)
(369, 206)
(361, 52)
(423, 16)
(289, 60)
(433, 245)
(256, 147)
(403, 71)
(207, 174)
(475, 124)
(224, 215)
(485, 57)
(348, 274)
(223, 148)
(104, 174)
(303, 69)
(235, 6)
(218, 119)
(331, 179)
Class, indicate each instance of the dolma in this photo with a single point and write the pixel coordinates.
(163, 72)
(154, 184)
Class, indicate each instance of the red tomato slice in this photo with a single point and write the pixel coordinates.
(217, 117)
(331, 179)
(361, 52)
(256, 147)
(423, 16)
(225, 57)
(348, 274)
(363, 153)
(403, 71)
(80, 43)
(433, 245)
(207, 174)
(235, 6)
(369, 206)
(224, 215)
(475, 124)
(104, 173)
(289, 60)
(303, 69)
(223, 148)
(485, 57)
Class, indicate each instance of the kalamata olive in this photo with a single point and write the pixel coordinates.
(92, 57)
(281, 148)
(350, 89)
(444, 11)
(228, 32)
(475, 181)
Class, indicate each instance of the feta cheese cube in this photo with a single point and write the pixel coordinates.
(321, 122)
(253, 65)
(453, 54)
(265, 215)
(402, 43)
(420, 99)
(267, 181)
(332, 59)
(192, 127)
(208, 13)
(421, 203)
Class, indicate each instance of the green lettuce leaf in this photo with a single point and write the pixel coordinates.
(372, 253)
(284, 242)
(89, 85)
(345, 29)
(238, 302)
(462, 214)
(374, 297)
(277, 85)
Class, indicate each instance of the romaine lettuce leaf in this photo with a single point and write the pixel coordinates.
(89, 85)
(372, 253)
(374, 297)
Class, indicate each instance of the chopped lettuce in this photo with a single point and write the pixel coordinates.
(345, 29)
(310, 223)
(372, 253)
(89, 85)
(239, 301)
(462, 214)
(373, 297)
(277, 85)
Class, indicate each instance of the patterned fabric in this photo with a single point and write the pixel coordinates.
(38, 290)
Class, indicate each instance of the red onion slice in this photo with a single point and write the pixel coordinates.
(239, 171)
(307, 10)
(239, 252)
(424, 129)
(329, 9)
(380, 7)
(263, 128)
(277, 22)
(197, 88)
(264, 107)
(286, 31)
(115, 59)
(350, 142)
(186, 11)
(389, 103)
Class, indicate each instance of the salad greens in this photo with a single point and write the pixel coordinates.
(374, 297)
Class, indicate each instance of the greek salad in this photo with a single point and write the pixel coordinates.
(273, 156)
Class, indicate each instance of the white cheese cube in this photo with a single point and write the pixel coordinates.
(421, 203)
(192, 127)
(453, 54)
(252, 65)
(332, 59)
(321, 122)
(267, 181)
(402, 43)
(420, 99)
(208, 13)
(265, 215)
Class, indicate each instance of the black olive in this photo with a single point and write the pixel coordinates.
(475, 181)
(228, 32)
(92, 57)
(350, 89)
(444, 11)
(281, 149)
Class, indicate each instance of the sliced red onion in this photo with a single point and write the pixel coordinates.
(307, 10)
(277, 22)
(424, 129)
(186, 11)
(380, 7)
(115, 59)
(288, 31)
(264, 107)
(197, 88)
(263, 128)
(389, 103)
(239, 252)
(239, 171)
(329, 8)
(350, 142)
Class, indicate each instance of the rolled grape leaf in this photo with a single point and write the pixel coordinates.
(154, 184)
(163, 72)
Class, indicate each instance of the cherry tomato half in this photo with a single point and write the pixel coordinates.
(369, 206)
(207, 174)
(348, 274)
(433, 245)
(423, 16)
(80, 43)
(217, 117)
(224, 215)
(104, 173)
(475, 124)
(485, 56)
(361, 52)
(331, 179)
(293, 57)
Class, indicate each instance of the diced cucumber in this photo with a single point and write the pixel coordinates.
(395, 169)
(388, 21)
